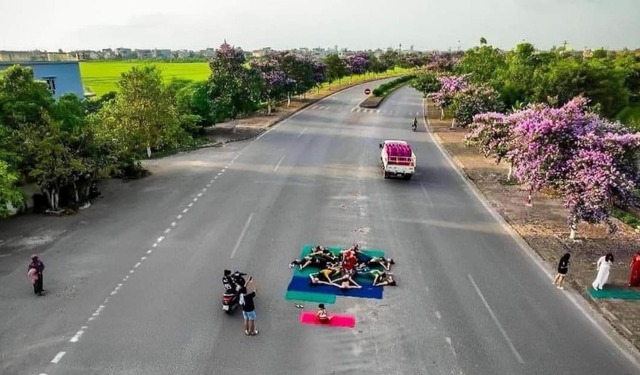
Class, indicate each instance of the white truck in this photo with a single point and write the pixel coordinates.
(397, 159)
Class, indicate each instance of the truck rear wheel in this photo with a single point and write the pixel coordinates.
(385, 174)
(408, 176)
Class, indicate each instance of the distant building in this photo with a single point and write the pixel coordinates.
(62, 77)
(124, 53)
(161, 53)
(143, 53)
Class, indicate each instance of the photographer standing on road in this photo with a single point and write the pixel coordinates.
(248, 308)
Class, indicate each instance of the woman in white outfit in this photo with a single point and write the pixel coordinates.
(603, 266)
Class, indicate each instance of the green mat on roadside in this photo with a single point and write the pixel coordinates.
(310, 297)
(615, 293)
(306, 249)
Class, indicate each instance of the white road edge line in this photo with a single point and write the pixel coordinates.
(244, 230)
(631, 353)
(279, 162)
(495, 320)
(58, 357)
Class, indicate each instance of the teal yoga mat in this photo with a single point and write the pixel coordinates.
(293, 295)
(615, 293)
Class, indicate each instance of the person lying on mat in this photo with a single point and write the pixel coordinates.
(382, 261)
(384, 278)
(346, 282)
(322, 314)
(322, 251)
(325, 276)
(314, 261)
(363, 270)
(318, 257)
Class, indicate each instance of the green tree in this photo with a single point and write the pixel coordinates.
(336, 67)
(484, 63)
(231, 84)
(597, 79)
(142, 118)
(426, 82)
(193, 99)
(22, 98)
(10, 195)
(518, 78)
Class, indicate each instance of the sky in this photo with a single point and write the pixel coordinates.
(285, 24)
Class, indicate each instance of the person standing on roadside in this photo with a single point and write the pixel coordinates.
(634, 279)
(563, 268)
(603, 266)
(35, 269)
(248, 308)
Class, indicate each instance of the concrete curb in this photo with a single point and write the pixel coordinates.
(593, 313)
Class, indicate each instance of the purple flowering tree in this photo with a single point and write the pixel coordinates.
(492, 134)
(444, 61)
(474, 100)
(274, 83)
(449, 87)
(357, 63)
(590, 161)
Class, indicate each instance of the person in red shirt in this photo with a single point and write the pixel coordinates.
(634, 279)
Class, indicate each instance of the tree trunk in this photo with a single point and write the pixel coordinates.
(148, 151)
(573, 227)
(268, 108)
(76, 196)
(510, 173)
(441, 113)
(56, 200)
(453, 122)
(288, 99)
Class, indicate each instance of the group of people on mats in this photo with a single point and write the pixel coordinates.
(340, 270)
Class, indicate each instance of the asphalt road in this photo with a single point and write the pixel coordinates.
(134, 286)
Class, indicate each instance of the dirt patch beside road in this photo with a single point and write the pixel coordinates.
(545, 228)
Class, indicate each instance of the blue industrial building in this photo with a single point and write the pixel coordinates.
(62, 77)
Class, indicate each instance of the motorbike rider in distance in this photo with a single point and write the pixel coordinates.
(414, 126)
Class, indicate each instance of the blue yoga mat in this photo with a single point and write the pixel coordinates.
(302, 284)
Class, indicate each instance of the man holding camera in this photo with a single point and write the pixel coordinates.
(248, 308)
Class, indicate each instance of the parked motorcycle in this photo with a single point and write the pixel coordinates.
(231, 295)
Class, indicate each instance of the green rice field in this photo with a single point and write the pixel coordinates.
(101, 77)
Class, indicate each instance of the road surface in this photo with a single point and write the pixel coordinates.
(134, 285)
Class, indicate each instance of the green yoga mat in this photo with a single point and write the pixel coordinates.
(615, 293)
(310, 297)
(306, 249)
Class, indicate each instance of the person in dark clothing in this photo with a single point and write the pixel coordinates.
(37, 265)
(563, 268)
(248, 308)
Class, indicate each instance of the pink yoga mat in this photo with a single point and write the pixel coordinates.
(337, 320)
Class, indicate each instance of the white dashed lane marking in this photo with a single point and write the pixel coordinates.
(58, 357)
(78, 334)
(278, 165)
(244, 231)
(93, 316)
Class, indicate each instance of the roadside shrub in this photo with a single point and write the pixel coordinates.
(385, 88)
